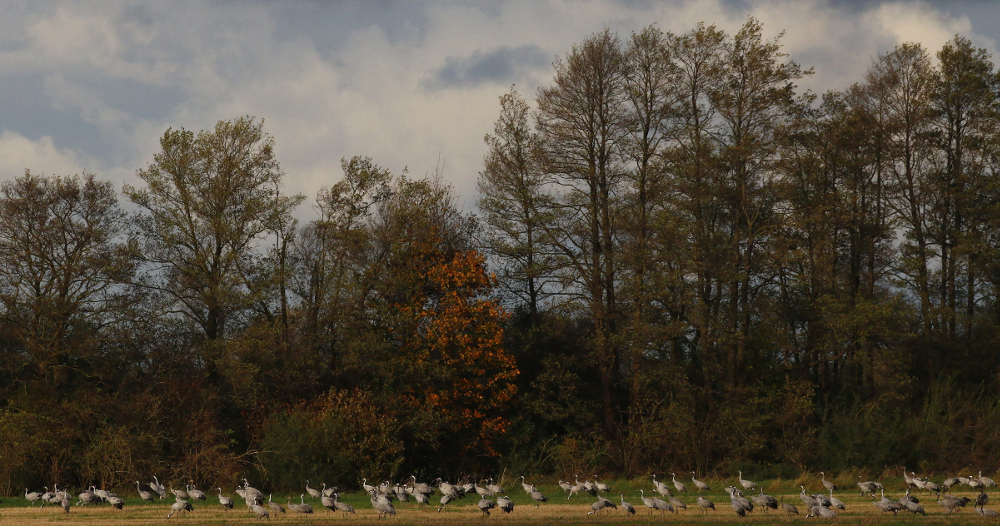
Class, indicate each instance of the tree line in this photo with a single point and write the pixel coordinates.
(679, 260)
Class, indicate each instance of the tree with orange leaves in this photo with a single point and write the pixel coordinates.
(459, 374)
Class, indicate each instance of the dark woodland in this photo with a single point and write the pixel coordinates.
(678, 260)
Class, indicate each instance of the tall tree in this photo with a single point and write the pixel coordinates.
(580, 120)
(208, 200)
(64, 268)
(512, 202)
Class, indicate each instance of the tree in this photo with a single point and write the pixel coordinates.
(512, 202)
(64, 270)
(580, 120)
(208, 199)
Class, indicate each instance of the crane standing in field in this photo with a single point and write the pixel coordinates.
(699, 484)
(679, 485)
(829, 485)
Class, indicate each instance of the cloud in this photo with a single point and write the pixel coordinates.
(496, 66)
(18, 153)
(409, 84)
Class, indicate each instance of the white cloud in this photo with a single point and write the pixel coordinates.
(18, 153)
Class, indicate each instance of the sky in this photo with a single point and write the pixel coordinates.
(93, 85)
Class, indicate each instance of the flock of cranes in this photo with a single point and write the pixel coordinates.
(661, 499)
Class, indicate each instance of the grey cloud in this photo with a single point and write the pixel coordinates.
(501, 66)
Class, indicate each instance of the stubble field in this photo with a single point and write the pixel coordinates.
(15, 510)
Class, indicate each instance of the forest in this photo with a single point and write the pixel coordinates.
(678, 260)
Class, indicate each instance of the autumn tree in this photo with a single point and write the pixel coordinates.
(65, 266)
(207, 201)
(580, 121)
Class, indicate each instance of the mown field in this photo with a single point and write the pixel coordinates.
(15, 510)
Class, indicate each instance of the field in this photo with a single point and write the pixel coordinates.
(15, 510)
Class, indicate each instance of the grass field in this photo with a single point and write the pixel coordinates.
(15, 510)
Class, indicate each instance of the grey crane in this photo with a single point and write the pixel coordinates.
(660, 487)
(64, 503)
(32, 497)
(195, 493)
(765, 501)
(740, 505)
(565, 485)
(178, 493)
(399, 491)
(987, 513)
(830, 486)
(808, 500)
(987, 482)
(445, 499)
(525, 485)
(820, 511)
(601, 504)
(327, 502)
(837, 503)
(948, 483)
(788, 508)
(705, 504)
(449, 490)
(822, 500)
(931, 486)
(747, 485)
(982, 499)
(647, 501)
(678, 504)
(382, 505)
(626, 507)
(485, 505)
(158, 488)
(537, 496)
(495, 488)
(421, 487)
(699, 484)
(911, 481)
(869, 487)
(260, 511)
(421, 498)
(906, 496)
(86, 497)
(331, 490)
(301, 507)
(275, 507)
(116, 502)
(505, 504)
(599, 486)
(180, 506)
(143, 494)
(911, 504)
(678, 484)
(313, 492)
(364, 484)
(952, 503)
(342, 506)
(887, 505)
(226, 502)
(482, 490)
(663, 506)
(574, 490)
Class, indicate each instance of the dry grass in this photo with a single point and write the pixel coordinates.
(859, 511)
